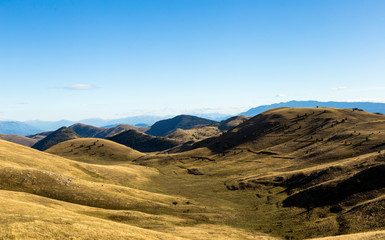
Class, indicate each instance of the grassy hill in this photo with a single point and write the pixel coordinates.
(164, 127)
(292, 172)
(58, 136)
(26, 141)
(143, 142)
(194, 134)
(95, 150)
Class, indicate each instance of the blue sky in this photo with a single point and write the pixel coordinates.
(76, 59)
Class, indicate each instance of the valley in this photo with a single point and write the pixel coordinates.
(286, 173)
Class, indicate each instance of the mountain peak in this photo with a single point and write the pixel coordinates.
(58, 136)
(164, 127)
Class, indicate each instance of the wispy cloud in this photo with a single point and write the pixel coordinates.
(281, 95)
(80, 86)
(339, 88)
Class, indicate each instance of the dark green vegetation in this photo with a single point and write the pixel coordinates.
(164, 127)
(58, 136)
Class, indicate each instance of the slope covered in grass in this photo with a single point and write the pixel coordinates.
(53, 197)
(194, 134)
(95, 150)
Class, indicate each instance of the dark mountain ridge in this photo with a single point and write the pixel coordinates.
(164, 127)
(143, 142)
(58, 136)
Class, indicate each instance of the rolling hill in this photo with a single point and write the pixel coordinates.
(54, 198)
(194, 134)
(58, 136)
(143, 142)
(328, 162)
(94, 150)
(164, 127)
(26, 141)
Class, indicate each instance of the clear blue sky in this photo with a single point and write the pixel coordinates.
(75, 59)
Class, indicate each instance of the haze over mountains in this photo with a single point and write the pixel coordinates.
(36, 126)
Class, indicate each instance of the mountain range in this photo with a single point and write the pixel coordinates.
(36, 126)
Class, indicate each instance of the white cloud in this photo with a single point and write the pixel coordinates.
(339, 88)
(80, 86)
(280, 95)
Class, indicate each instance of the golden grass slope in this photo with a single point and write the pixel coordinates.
(50, 197)
(374, 235)
(27, 170)
(286, 152)
(33, 217)
(307, 133)
(93, 150)
(194, 134)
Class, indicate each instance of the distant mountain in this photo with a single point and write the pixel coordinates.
(58, 136)
(39, 136)
(48, 125)
(232, 122)
(97, 122)
(89, 131)
(18, 139)
(142, 142)
(367, 106)
(19, 128)
(138, 121)
(184, 122)
(212, 116)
